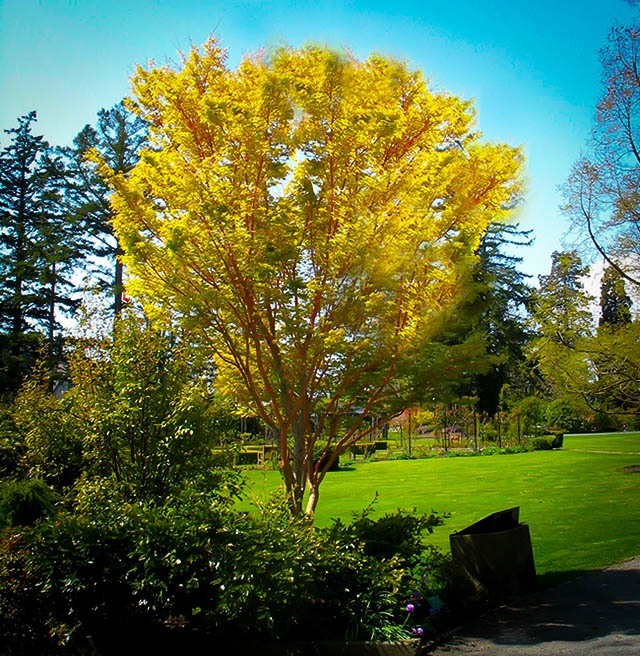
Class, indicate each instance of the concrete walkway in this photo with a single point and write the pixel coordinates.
(598, 614)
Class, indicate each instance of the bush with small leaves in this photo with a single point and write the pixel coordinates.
(23, 502)
(195, 565)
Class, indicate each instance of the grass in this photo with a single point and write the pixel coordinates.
(582, 511)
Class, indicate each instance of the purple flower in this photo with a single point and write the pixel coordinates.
(417, 630)
(410, 608)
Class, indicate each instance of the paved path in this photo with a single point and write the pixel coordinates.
(597, 615)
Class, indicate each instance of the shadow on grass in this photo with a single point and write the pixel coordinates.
(554, 579)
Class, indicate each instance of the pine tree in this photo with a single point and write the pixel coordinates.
(563, 321)
(562, 307)
(37, 252)
(615, 304)
(23, 196)
(117, 138)
(505, 297)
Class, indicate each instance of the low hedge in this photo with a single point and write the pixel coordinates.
(196, 567)
(546, 442)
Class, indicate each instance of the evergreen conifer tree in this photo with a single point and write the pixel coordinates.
(118, 137)
(36, 252)
(615, 304)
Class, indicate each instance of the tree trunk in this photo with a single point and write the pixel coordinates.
(290, 473)
(312, 501)
(117, 285)
(51, 319)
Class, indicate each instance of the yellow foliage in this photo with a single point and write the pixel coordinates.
(312, 214)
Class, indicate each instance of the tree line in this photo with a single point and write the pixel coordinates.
(56, 237)
(58, 241)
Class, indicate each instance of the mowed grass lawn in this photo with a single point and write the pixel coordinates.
(582, 510)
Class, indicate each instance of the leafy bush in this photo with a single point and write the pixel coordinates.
(12, 447)
(139, 410)
(393, 534)
(505, 450)
(519, 448)
(198, 564)
(418, 453)
(52, 433)
(545, 442)
(24, 502)
(532, 414)
(565, 415)
(489, 434)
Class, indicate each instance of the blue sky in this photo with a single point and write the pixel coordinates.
(531, 68)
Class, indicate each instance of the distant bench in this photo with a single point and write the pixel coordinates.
(256, 456)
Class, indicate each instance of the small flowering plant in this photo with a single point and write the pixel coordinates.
(420, 609)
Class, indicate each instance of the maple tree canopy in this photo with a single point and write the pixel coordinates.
(312, 215)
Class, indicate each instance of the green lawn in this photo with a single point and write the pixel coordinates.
(583, 513)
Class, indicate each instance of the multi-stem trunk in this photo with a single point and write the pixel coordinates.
(295, 491)
(298, 470)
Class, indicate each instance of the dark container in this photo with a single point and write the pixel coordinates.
(495, 557)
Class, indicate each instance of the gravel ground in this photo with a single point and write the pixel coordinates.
(596, 614)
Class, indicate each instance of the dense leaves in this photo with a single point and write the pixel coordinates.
(110, 567)
(312, 215)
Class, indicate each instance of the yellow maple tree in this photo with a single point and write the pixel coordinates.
(312, 216)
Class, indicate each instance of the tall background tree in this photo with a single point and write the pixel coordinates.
(615, 303)
(563, 318)
(37, 251)
(504, 299)
(601, 195)
(313, 216)
(117, 138)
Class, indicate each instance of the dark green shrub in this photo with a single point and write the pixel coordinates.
(113, 565)
(23, 502)
(542, 443)
(394, 534)
(558, 440)
(108, 567)
(546, 442)
(489, 434)
(321, 458)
